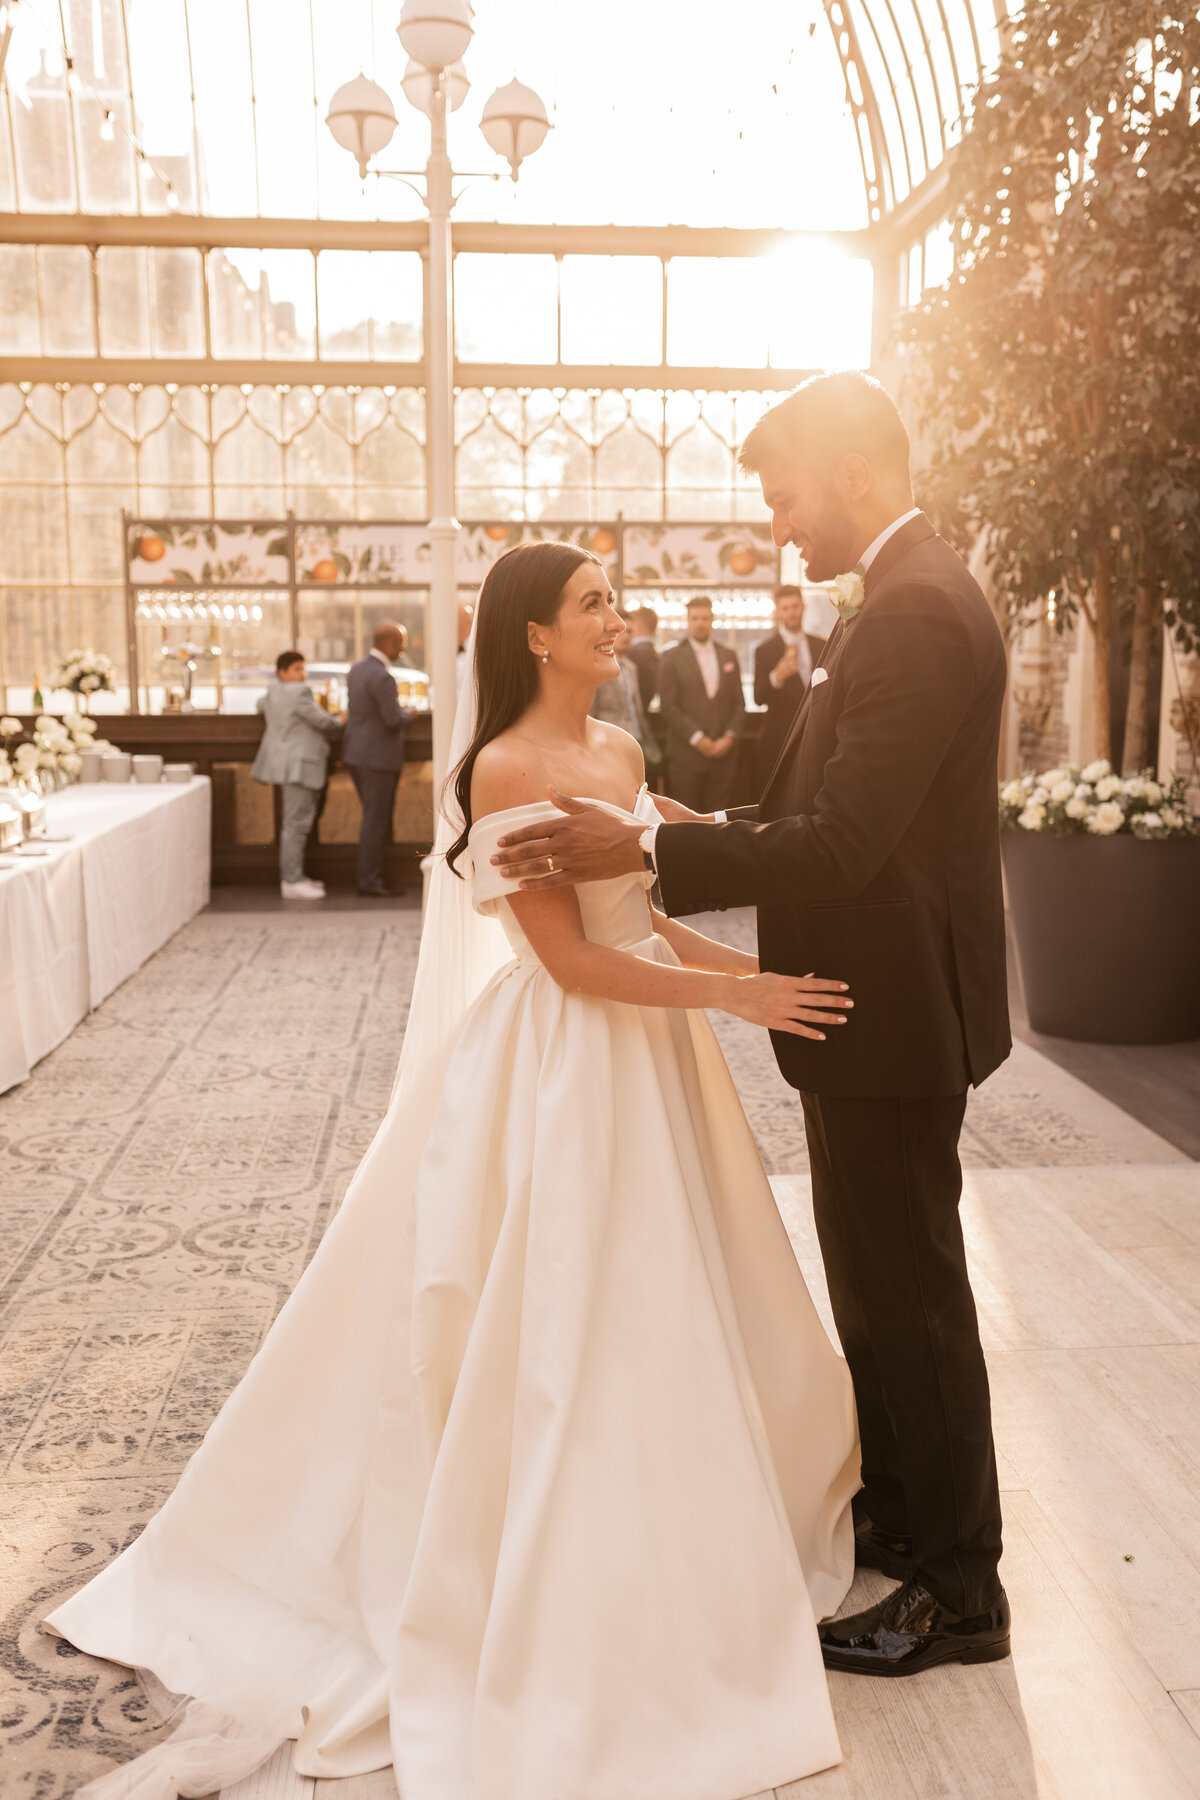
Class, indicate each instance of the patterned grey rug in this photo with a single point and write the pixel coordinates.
(164, 1178)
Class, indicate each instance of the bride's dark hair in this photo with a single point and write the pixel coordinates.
(523, 586)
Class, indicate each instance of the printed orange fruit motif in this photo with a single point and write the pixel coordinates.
(152, 548)
(603, 542)
(497, 533)
(742, 562)
(325, 570)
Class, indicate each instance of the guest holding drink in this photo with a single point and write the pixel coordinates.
(783, 666)
(294, 755)
(373, 750)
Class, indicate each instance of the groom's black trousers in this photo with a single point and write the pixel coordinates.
(886, 1188)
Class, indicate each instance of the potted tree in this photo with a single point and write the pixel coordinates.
(1057, 375)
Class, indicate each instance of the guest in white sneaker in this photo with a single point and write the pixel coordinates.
(294, 755)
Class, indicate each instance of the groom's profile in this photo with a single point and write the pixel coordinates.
(873, 855)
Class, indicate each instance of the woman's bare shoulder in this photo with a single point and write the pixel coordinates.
(508, 771)
(621, 746)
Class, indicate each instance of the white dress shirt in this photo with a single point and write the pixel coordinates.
(876, 545)
(709, 664)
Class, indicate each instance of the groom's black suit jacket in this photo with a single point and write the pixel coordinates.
(874, 854)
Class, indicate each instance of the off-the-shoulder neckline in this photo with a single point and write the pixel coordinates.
(547, 807)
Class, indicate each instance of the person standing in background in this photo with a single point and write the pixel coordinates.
(373, 750)
(643, 653)
(783, 666)
(703, 710)
(620, 702)
(294, 756)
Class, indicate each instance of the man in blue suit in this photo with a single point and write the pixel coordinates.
(373, 749)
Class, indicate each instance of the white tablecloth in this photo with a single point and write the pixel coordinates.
(75, 923)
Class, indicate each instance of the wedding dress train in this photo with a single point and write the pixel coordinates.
(542, 1476)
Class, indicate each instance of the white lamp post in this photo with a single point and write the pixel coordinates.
(436, 34)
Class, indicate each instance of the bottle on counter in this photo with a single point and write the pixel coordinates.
(39, 705)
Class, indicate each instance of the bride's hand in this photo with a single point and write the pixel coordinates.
(782, 1002)
(675, 813)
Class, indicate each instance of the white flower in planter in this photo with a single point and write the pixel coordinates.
(25, 758)
(1014, 793)
(70, 764)
(1148, 824)
(1051, 777)
(9, 727)
(1040, 795)
(1062, 790)
(1152, 793)
(1085, 792)
(1172, 819)
(1077, 807)
(1031, 818)
(83, 729)
(1135, 787)
(1096, 771)
(1110, 785)
(1107, 818)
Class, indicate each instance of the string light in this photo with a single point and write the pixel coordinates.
(79, 87)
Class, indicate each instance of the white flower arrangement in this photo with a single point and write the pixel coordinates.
(85, 672)
(1092, 800)
(49, 749)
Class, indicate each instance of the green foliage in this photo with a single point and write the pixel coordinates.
(1058, 374)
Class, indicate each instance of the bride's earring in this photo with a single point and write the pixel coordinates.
(545, 656)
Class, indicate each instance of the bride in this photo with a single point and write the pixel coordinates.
(542, 1477)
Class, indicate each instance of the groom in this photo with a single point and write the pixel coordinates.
(873, 856)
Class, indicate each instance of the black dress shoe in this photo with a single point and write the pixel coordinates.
(876, 1549)
(911, 1631)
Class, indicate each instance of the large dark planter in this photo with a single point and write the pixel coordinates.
(1108, 935)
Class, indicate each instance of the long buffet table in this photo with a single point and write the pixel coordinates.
(126, 867)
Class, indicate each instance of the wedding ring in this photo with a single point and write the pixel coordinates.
(549, 865)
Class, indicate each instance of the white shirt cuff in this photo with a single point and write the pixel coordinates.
(720, 818)
(695, 737)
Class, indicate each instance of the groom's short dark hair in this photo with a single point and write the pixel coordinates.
(826, 418)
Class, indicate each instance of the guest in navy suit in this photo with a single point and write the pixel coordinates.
(373, 749)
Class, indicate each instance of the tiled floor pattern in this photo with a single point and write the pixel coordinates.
(165, 1175)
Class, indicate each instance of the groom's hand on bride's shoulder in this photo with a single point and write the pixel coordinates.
(587, 843)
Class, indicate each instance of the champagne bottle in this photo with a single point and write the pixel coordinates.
(39, 705)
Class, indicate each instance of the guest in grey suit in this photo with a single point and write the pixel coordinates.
(373, 750)
(620, 702)
(294, 755)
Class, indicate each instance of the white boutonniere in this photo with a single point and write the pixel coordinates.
(848, 594)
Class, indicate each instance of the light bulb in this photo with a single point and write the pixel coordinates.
(107, 129)
(172, 198)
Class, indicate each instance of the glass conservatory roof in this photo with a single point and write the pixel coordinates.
(818, 114)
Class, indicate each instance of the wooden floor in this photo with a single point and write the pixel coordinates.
(1088, 1283)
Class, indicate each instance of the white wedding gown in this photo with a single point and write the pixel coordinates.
(541, 1479)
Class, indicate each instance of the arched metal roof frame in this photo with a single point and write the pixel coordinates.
(895, 71)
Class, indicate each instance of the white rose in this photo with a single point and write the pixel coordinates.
(1051, 777)
(1149, 821)
(1153, 793)
(26, 758)
(1135, 787)
(10, 726)
(1062, 790)
(1084, 792)
(1172, 819)
(1106, 819)
(1110, 785)
(1031, 818)
(1013, 793)
(1040, 795)
(1096, 771)
(47, 760)
(85, 729)
(1077, 808)
(70, 764)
